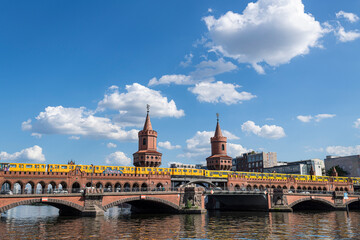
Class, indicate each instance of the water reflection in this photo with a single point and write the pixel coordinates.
(43, 222)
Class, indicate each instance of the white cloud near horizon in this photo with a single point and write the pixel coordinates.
(31, 154)
(111, 145)
(351, 17)
(357, 123)
(220, 92)
(167, 145)
(265, 131)
(270, 31)
(316, 118)
(343, 151)
(118, 158)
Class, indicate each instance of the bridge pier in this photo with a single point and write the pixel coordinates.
(93, 204)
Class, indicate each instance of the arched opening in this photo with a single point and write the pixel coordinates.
(354, 205)
(29, 188)
(144, 141)
(273, 187)
(256, 187)
(18, 187)
(135, 187)
(279, 187)
(117, 187)
(267, 187)
(40, 188)
(312, 204)
(127, 187)
(99, 185)
(144, 187)
(108, 187)
(63, 186)
(6, 188)
(248, 188)
(336, 189)
(160, 187)
(324, 189)
(309, 189)
(314, 189)
(237, 187)
(304, 188)
(51, 187)
(298, 189)
(222, 147)
(75, 187)
(319, 189)
(284, 187)
(88, 184)
(346, 189)
(341, 189)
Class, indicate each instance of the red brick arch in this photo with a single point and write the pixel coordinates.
(291, 205)
(131, 199)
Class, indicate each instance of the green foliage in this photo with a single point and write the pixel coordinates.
(188, 204)
(341, 172)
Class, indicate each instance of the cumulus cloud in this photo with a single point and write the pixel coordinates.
(199, 144)
(343, 151)
(346, 36)
(31, 154)
(357, 123)
(167, 145)
(266, 131)
(77, 121)
(118, 158)
(235, 150)
(270, 31)
(111, 145)
(316, 118)
(131, 104)
(188, 60)
(220, 92)
(74, 137)
(205, 72)
(351, 17)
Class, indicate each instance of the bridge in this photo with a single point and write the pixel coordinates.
(89, 194)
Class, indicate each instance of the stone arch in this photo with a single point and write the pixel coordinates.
(292, 188)
(336, 189)
(248, 187)
(108, 187)
(284, 187)
(309, 188)
(40, 187)
(63, 185)
(202, 183)
(99, 185)
(255, 187)
(261, 188)
(314, 188)
(18, 187)
(341, 189)
(324, 189)
(159, 186)
(279, 187)
(304, 188)
(353, 204)
(346, 189)
(319, 189)
(127, 187)
(325, 203)
(62, 205)
(237, 187)
(144, 187)
(273, 187)
(130, 200)
(135, 187)
(88, 184)
(117, 187)
(29, 187)
(6, 185)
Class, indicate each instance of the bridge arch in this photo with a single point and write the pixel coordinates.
(149, 204)
(202, 183)
(309, 203)
(65, 207)
(353, 204)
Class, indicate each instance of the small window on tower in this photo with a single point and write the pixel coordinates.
(144, 141)
(223, 147)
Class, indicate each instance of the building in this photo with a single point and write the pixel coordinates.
(350, 164)
(147, 155)
(254, 162)
(299, 167)
(219, 160)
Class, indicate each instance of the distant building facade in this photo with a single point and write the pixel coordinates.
(299, 167)
(350, 164)
(254, 162)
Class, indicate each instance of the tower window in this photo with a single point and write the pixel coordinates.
(223, 147)
(144, 141)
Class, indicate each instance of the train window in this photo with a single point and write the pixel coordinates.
(28, 166)
(149, 169)
(121, 168)
(64, 167)
(42, 166)
(143, 169)
(13, 166)
(97, 168)
(185, 170)
(160, 170)
(194, 171)
(21, 166)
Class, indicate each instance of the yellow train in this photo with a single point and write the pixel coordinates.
(33, 167)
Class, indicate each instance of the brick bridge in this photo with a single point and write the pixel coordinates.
(154, 192)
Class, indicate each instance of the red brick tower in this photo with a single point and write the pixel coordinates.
(219, 160)
(147, 155)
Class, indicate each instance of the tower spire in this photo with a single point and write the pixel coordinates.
(147, 125)
(218, 129)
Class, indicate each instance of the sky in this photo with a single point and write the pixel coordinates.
(76, 76)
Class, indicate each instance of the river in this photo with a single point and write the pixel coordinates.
(43, 222)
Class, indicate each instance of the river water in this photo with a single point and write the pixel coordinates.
(43, 222)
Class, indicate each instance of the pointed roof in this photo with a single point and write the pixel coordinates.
(218, 129)
(147, 125)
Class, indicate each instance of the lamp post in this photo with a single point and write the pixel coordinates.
(92, 172)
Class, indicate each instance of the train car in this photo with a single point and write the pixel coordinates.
(26, 167)
(187, 172)
(321, 178)
(84, 168)
(114, 170)
(148, 170)
(217, 174)
(355, 180)
(60, 167)
(340, 179)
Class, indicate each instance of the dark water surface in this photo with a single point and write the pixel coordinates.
(43, 222)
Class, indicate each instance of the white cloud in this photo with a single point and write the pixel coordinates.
(344, 36)
(131, 105)
(111, 145)
(266, 131)
(357, 123)
(220, 92)
(74, 137)
(167, 145)
(351, 17)
(235, 150)
(31, 154)
(311, 149)
(343, 151)
(199, 145)
(271, 31)
(205, 72)
(316, 118)
(210, 10)
(304, 118)
(77, 121)
(118, 158)
(188, 60)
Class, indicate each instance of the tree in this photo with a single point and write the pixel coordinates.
(341, 172)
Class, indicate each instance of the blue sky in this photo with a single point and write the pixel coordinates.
(75, 78)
